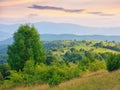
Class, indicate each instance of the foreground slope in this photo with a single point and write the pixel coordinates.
(101, 80)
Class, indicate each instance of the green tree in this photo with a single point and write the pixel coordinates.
(51, 59)
(113, 62)
(72, 49)
(26, 46)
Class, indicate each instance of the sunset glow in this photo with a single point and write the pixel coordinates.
(95, 13)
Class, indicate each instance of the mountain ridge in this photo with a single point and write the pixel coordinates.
(60, 28)
(52, 37)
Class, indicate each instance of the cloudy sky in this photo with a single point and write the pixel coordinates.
(94, 13)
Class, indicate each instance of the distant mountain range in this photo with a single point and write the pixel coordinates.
(51, 37)
(6, 31)
(4, 35)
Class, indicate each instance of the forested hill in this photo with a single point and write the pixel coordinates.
(51, 37)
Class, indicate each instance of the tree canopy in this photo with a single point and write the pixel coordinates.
(26, 46)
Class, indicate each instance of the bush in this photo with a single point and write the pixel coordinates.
(50, 59)
(113, 62)
(55, 80)
(5, 71)
(83, 65)
(16, 78)
(1, 77)
(91, 65)
(55, 74)
(29, 67)
(97, 65)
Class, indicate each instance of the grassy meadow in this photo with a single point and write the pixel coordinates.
(100, 80)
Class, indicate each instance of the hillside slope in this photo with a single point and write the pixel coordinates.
(101, 80)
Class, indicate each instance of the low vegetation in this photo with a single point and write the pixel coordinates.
(30, 62)
(100, 80)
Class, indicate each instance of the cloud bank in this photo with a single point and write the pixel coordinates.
(56, 8)
(101, 13)
(68, 10)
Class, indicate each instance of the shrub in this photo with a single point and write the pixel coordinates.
(29, 67)
(16, 78)
(50, 59)
(1, 77)
(97, 65)
(91, 65)
(5, 71)
(55, 80)
(113, 62)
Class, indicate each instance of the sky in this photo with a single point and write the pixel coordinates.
(93, 13)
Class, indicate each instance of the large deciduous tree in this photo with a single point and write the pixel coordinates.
(26, 46)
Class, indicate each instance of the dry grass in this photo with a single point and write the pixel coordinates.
(101, 80)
